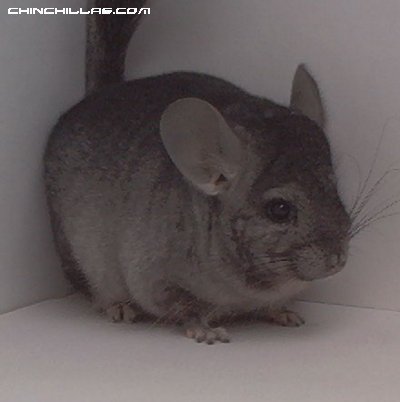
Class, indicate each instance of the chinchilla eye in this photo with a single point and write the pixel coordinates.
(280, 210)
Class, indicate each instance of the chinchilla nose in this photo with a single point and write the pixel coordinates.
(321, 260)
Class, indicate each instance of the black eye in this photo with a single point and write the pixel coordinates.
(280, 210)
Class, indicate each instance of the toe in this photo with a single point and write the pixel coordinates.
(211, 337)
(201, 335)
(222, 334)
(121, 312)
(207, 335)
(288, 319)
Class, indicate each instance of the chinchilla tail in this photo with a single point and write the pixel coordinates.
(107, 40)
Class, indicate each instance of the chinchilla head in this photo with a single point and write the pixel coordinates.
(269, 171)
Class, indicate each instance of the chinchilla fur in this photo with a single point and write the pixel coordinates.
(184, 198)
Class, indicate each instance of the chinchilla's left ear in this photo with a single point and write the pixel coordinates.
(201, 144)
(306, 96)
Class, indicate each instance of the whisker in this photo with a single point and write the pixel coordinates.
(371, 192)
(358, 193)
(370, 171)
(364, 226)
(359, 219)
(375, 214)
(362, 200)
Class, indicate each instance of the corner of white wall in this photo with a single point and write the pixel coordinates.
(41, 75)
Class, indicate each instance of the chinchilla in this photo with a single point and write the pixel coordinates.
(184, 198)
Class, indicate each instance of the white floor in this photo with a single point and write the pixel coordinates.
(60, 350)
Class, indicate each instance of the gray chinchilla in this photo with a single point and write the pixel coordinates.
(184, 198)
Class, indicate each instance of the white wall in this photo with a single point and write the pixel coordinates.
(353, 49)
(41, 74)
(351, 46)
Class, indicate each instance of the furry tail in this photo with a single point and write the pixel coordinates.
(108, 37)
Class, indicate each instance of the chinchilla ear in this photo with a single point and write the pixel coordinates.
(201, 144)
(306, 97)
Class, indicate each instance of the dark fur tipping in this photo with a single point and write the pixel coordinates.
(108, 36)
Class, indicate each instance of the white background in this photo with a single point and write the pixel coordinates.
(41, 74)
(352, 47)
